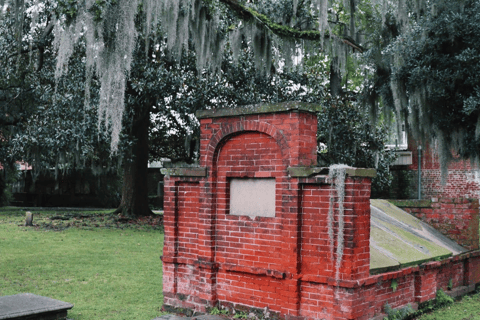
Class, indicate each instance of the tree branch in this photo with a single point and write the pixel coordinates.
(247, 13)
(40, 45)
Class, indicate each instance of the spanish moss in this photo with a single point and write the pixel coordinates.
(323, 25)
(337, 174)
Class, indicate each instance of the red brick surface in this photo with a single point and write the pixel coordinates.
(458, 219)
(290, 263)
(463, 180)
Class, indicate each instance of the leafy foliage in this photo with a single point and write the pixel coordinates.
(170, 90)
(347, 136)
(42, 121)
(397, 314)
(438, 69)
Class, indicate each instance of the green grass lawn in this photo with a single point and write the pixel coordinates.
(468, 308)
(107, 270)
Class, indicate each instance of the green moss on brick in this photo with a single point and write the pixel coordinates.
(259, 109)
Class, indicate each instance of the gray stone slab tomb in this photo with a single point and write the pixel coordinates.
(28, 306)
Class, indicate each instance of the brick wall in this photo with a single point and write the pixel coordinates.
(463, 180)
(367, 298)
(458, 219)
(319, 245)
(306, 261)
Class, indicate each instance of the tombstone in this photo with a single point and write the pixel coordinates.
(251, 225)
(28, 219)
(258, 225)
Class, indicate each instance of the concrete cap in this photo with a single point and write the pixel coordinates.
(303, 172)
(27, 304)
(259, 109)
(185, 172)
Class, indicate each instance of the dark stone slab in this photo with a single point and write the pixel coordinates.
(28, 306)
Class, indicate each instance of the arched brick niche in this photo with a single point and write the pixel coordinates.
(294, 133)
(252, 242)
(250, 145)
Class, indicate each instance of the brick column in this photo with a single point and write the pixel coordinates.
(426, 285)
(356, 253)
(255, 142)
(472, 270)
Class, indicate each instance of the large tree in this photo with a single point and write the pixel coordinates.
(161, 99)
(436, 70)
(161, 95)
(280, 34)
(289, 28)
(42, 119)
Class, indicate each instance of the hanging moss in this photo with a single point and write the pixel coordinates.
(110, 35)
(323, 26)
(337, 174)
(401, 14)
(110, 42)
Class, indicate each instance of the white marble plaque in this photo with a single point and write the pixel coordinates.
(252, 197)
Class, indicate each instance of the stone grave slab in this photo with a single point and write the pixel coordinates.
(398, 239)
(28, 306)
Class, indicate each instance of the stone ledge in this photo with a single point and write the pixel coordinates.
(258, 109)
(185, 172)
(413, 203)
(303, 172)
(30, 306)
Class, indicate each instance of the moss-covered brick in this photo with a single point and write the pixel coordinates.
(258, 109)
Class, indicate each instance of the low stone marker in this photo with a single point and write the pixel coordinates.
(28, 219)
(28, 306)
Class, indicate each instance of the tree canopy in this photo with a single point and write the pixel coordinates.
(436, 76)
(415, 58)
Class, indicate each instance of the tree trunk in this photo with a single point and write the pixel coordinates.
(134, 192)
(335, 79)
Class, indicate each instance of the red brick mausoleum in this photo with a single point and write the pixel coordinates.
(258, 225)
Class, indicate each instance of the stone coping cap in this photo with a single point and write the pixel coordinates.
(185, 172)
(25, 304)
(303, 172)
(258, 109)
(415, 203)
(296, 172)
